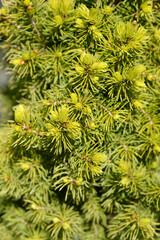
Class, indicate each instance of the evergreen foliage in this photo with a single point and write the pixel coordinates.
(82, 158)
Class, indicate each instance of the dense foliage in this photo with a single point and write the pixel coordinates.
(82, 157)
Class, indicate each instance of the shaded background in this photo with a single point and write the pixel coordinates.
(5, 102)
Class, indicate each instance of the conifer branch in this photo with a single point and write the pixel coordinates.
(73, 160)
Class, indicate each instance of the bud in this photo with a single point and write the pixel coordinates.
(35, 51)
(23, 62)
(137, 103)
(79, 69)
(92, 125)
(25, 166)
(155, 6)
(87, 58)
(74, 130)
(27, 3)
(133, 217)
(144, 222)
(98, 66)
(125, 181)
(34, 206)
(20, 113)
(149, 77)
(79, 106)
(25, 56)
(58, 20)
(154, 164)
(117, 76)
(30, 130)
(108, 9)
(80, 23)
(54, 115)
(16, 62)
(9, 178)
(92, 28)
(95, 79)
(40, 133)
(140, 84)
(146, 8)
(99, 158)
(157, 34)
(65, 225)
(53, 131)
(79, 181)
(59, 55)
(134, 22)
(29, 8)
(156, 148)
(74, 97)
(87, 110)
(56, 220)
(33, 54)
(116, 116)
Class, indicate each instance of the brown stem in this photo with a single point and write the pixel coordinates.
(37, 31)
(55, 103)
(35, 27)
(110, 114)
(147, 115)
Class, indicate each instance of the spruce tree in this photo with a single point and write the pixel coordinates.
(81, 160)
